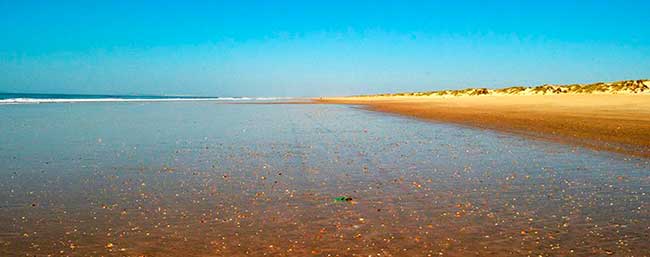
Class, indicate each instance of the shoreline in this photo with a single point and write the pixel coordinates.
(611, 122)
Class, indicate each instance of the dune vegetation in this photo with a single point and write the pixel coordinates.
(619, 87)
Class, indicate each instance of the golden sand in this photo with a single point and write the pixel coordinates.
(616, 121)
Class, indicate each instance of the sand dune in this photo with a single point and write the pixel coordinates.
(607, 116)
(634, 87)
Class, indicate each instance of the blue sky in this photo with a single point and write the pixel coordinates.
(303, 48)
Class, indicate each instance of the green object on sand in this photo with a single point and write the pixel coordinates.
(343, 199)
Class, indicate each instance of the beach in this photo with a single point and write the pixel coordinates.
(200, 178)
(612, 122)
(325, 129)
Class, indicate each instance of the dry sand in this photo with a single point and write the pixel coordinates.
(612, 122)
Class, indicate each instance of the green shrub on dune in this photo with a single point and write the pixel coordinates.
(626, 86)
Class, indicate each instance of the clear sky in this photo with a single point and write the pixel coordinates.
(304, 48)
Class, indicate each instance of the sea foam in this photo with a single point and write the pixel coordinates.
(93, 100)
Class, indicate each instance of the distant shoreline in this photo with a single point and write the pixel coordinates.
(641, 86)
(616, 120)
(28, 98)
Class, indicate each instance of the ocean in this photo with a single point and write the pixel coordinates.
(19, 98)
(204, 178)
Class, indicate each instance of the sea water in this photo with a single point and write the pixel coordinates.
(13, 98)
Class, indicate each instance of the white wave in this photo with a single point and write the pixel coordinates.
(93, 100)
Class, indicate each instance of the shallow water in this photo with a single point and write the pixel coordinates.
(206, 179)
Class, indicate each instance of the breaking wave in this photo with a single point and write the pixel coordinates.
(22, 100)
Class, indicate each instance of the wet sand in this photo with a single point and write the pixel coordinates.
(206, 179)
(618, 123)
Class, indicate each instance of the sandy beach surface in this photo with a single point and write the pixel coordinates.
(612, 122)
(212, 179)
